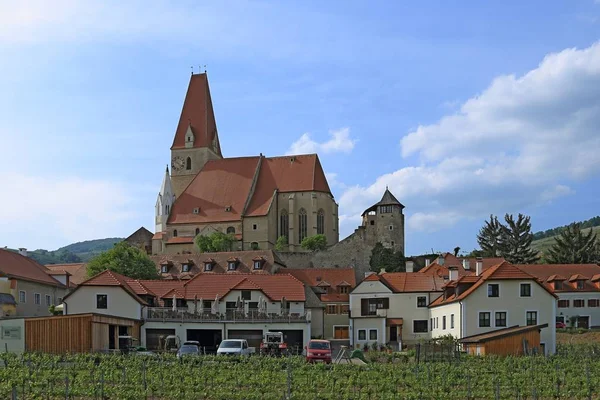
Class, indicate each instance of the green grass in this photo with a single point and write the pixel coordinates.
(542, 245)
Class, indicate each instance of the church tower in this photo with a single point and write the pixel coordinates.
(164, 203)
(196, 139)
(384, 222)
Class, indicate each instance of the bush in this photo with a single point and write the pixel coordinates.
(313, 243)
(215, 242)
(281, 244)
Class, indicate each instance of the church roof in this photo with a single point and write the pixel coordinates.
(388, 199)
(225, 190)
(198, 113)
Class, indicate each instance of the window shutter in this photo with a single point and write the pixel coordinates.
(364, 307)
(386, 303)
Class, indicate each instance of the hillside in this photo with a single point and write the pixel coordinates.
(73, 253)
(550, 233)
(545, 243)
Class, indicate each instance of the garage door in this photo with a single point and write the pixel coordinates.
(153, 337)
(254, 337)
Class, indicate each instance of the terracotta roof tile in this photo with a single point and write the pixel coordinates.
(316, 276)
(158, 235)
(401, 282)
(110, 278)
(181, 240)
(578, 277)
(449, 259)
(335, 298)
(555, 272)
(14, 265)
(198, 113)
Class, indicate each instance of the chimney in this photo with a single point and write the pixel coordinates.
(479, 266)
(466, 264)
(23, 251)
(382, 271)
(427, 262)
(453, 270)
(410, 266)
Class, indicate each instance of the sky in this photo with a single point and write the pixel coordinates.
(464, 109)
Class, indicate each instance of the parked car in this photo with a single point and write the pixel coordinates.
(560, 325)
(318, 351)
(238, 347)
(188, 350)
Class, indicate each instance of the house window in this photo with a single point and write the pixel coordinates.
(253, 305)
(332, 309)
(254, 245)
(531, 317)
(444, 322)
(431, 323)
(37, 298)
(102, 301)
(420, 326)
(344, 309)
(451, 321)
(558, 285)
(164, 268)
(484, 320)
(370, 306)
(188, 163)
(320, 222)
(254, 227)
(421, 301)
(257, 264)
(580, 285)
(246, 295)
(302, 225)
(284, 224)
(563, 304)
(493, 290)
(372, 334)
(525, 289)
(231, 265)
(386, 209)
(593, 303)
(500, 318)
(343, 289)
(175, 233)
(362, 334)
(437, 322)
(22, 298)
(185, 267)
(208, 266)
(578, 303)
(230, 230)
(197, 231)
(48, 300)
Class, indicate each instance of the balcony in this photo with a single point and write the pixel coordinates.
(166, 314)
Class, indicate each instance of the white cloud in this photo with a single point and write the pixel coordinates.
(64, 210)
(340, 142)
(519, 143)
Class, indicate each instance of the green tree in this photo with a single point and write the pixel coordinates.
(490, 237)
(573, 246)
(385, 258)
(281, 244)
(313, 243)
(456, 250)
(123, 259)
(516, 240)
(215, 242)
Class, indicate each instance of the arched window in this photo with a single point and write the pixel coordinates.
(320, 222)
(284, 224)
(230, 230)
(254, 245)
(175, 233)
(188, 163)
(197, 231)
(167, 209)
(302, 225)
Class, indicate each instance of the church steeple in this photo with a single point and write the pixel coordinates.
(164, 203)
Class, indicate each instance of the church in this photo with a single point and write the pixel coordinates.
(257, 199)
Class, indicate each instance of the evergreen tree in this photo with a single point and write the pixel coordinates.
(515, 240)
(125, 260)
(490, 237)
(382, 257)
(573, 246)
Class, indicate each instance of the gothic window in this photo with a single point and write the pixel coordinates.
(320, 222)
(188, 163)
(284, 224)
(167, 209)
(197, 231)
(302, 225)
(175, 233)
(230, 230)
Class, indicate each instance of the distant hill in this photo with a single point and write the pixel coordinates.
(543, 240)
(88, 249)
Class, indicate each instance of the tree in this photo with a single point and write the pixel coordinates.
(215, 242)
(281, 244)
(456, 250)
(490, 237)
(125, 260)
(313, 243)
(573, 246)
(385, 258)
(516, 238)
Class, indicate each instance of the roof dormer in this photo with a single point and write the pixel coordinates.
(232, 263)
(209, 264)
(257, 263)
(189, 137)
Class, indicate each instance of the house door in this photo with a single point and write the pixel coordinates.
(583, 322)
(393, 333)
(341, 332)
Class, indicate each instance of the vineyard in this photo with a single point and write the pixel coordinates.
(574, 374)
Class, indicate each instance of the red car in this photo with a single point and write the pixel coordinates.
(318, 351)
(560, 325)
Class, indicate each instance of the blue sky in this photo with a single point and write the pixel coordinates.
(462, 108)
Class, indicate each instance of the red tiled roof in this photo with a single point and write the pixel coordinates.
(316, 276)
(109, 278)
(555, 272)
(335, 298)
(220, 184)
(450, 260)
(14, 265)
(372, 277)
(303, 174)
(556, 277)
(401, 282)
(158, 235)
(181, 240)
(578, 277)
(155, 287)
(78, 271)
(198, 113)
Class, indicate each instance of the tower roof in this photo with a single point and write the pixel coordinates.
(388, 199)
(197, 114)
